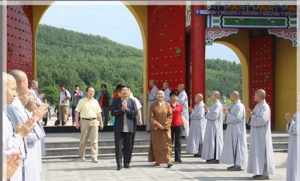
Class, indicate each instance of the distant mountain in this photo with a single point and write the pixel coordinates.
(72, 58)
(223, 75)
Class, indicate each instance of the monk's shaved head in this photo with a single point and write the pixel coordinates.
(217, 94)
(234, 96)
(199, 95)
(10, 87)
(235, 93)
(19, 75)
(7, 78)
(198, 98)
(22, 81)
(261, 93)
(180, 87)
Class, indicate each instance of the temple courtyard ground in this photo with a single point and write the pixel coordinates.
(191, 169)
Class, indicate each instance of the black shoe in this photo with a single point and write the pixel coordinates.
(169, 165)
(260, 177)
(209, 161)
(230, 168)
(178, 161)
(126, 166)
(236, 168)
(56, 123)
(156, 165)
(213, 161)
(119, 167)
(197, 155)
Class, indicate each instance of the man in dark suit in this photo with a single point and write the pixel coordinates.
(125, 112)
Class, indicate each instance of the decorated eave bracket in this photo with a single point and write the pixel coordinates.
(289, 34)
(216, 33)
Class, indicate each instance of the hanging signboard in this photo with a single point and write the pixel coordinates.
(247, 10)
(250, 22)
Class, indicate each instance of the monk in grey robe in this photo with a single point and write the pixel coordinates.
(14, 144)
(19, 113)
(161, 120)
(184, 101)
(213, 139)
(235, 151)
(292, 164)
(197, 127)
(260, 162)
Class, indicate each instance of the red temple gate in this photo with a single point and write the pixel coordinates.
(20, 39)
(166, 44)
(262, 68)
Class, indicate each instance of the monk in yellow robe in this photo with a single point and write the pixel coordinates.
(161, 119)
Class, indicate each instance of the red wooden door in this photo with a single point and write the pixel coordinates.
(166, 44)
(19, 39)
(262, 68)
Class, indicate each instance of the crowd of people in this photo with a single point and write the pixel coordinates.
(169, 120)
(69, 101)
(202, 125)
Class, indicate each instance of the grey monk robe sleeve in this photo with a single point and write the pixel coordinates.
(235, 115)
(213, 113)
(260, 117)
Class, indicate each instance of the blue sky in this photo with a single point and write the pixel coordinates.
(112, 20)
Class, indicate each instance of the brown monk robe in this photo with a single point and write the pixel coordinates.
(161, 144)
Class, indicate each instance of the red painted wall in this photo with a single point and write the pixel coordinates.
(19, 39)
(261, 68)
(166, 44)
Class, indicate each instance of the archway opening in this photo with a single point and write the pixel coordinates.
(226, 70)
(72, 50)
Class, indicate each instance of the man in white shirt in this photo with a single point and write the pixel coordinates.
(64, 104)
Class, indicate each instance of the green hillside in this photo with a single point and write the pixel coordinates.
(75, 58)
(223, 76)
(72, 58)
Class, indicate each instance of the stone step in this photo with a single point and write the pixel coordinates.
(54, 158)
(142, 148)
(101, 143)
(67, 144)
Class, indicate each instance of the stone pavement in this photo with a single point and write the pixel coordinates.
(191, 169)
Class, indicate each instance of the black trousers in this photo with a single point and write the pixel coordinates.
(176, 140)
(105, 115)
(73, 114)
(123, 147)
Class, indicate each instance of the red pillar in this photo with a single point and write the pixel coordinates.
(198, 25)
